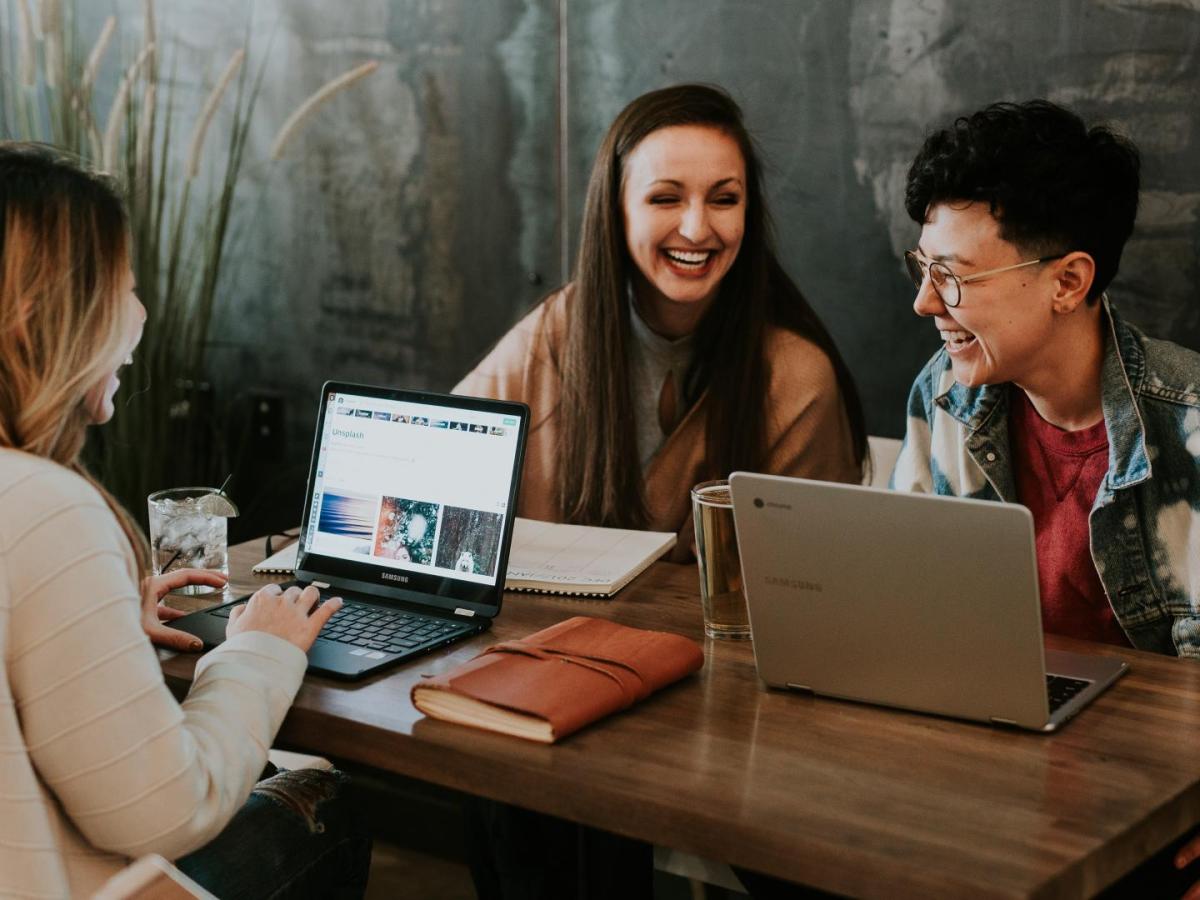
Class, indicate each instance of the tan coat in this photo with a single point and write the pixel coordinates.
(808, 433)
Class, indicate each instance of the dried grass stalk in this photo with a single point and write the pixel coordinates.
(52, 34)
(145, 137)
(210, 107)
(25, 43)
(150, 38)
(96, 56)
(95, 140)
(116, 113)
(309, 107)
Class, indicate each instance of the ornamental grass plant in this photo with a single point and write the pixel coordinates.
(181, 178)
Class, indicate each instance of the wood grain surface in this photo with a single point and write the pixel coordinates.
(845, 797)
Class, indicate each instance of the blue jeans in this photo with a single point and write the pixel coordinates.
(297, 836)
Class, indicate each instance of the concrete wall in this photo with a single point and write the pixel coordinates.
(421, 213)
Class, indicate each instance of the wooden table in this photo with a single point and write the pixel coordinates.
(846, 797)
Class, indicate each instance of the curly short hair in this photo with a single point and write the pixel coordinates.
(1053, 184)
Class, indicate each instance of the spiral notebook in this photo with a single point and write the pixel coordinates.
(551, 558)
(282, 562)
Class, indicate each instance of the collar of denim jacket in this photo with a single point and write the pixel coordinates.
(1120, 386)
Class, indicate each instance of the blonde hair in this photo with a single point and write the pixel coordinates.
(64, 250)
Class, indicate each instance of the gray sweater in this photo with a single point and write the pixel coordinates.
(652, 357)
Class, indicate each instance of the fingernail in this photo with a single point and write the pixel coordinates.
(196, 645)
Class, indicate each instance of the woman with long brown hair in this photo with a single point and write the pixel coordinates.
(100, 763)
(681, 350)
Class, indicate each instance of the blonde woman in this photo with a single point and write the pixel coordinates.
(98, 762)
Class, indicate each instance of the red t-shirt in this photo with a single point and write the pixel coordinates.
(1058, 474)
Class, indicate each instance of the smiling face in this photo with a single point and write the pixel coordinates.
(99, 401)
(683, 197)
(1004, 327)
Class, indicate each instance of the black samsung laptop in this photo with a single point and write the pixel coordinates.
(408, 517)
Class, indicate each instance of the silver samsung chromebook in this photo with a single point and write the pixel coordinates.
(911, 600)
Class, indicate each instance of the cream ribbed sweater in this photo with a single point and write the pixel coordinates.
(98, 762)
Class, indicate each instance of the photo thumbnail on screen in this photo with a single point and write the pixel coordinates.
(348, 516)
(470, 540)
(407, 529)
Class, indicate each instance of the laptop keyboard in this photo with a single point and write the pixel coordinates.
(384, 630)
(1060, 689)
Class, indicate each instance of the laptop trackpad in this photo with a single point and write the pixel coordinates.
(210, 629)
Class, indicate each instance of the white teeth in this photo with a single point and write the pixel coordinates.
(689, 257)
(956, 337)
(129, 360)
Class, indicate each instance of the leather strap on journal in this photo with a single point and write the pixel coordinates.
(631, 683)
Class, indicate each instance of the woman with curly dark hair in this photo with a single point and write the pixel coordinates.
(1043, 394)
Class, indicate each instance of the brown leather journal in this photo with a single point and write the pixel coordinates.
(554, 682)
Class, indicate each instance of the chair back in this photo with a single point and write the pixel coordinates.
(883, 458)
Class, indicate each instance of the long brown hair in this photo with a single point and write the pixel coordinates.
(64, 250)
(599, 473)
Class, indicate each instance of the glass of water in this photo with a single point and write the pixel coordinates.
(189, 529)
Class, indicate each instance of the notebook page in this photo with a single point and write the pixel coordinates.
(579, 554)
(281, 562)
(553, 554)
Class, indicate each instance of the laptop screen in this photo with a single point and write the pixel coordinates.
(413, 491)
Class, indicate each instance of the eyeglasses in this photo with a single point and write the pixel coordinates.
(948, 285)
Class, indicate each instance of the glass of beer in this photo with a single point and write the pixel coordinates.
(721, 596)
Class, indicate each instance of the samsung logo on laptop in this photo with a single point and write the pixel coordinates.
(796, 584)
(390, 577)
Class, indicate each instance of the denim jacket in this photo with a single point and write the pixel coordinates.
(1145, 521)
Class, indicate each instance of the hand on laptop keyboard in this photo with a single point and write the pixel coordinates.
(292, 614)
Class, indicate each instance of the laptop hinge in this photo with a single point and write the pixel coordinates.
(464, 612)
